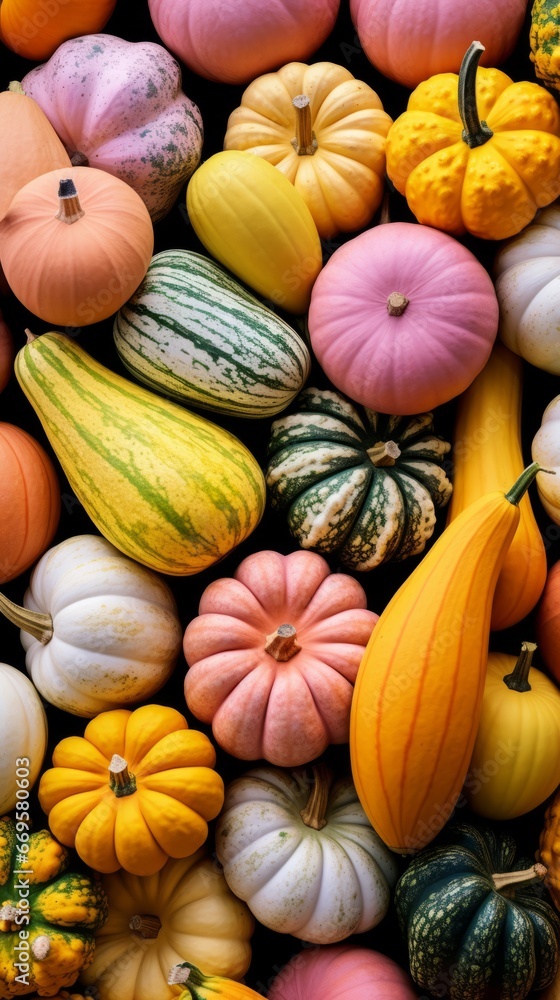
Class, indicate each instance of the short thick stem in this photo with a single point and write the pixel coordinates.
(69, 208)
(41, 947)
(313, 814)
(147, 925)
(121, 781)
(79, 159)
(39, 625)
(475, 132)
(535, 873)
(518, 680)
(15, 87)
(384, 453)
(304, 142)
(397, 303)
(282, 644)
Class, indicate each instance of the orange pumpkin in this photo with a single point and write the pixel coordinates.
(29, 501)
(35, 28)
(6, 352)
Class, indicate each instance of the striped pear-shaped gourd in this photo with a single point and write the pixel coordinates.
(165, 486)
(192, 332)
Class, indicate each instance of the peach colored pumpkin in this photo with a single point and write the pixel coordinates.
(547, 622)
(339, 972)
(273, 655)
(6, 352)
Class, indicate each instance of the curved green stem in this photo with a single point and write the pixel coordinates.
(475, 132)
(521, 485)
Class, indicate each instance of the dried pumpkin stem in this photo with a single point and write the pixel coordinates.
(15, 87)
(282, 644)
(313, 813)
(39, 625)
(121, 781)
(304, 142)
(147, 925)
(475, 132)
(69, 208)
(535, 873)
(384, 453)
(79, 159)
(518, 680)
(396, 303)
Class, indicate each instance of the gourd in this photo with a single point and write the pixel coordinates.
(192, 332)
(549, 843)
(423, 672)
(29, 501)
(363, 486)
(303, 856)
(402, 318)
(253, 221)
(527, 278)
(191, 490)
(185, 909)
(325, 131)
(515, 763)
(235, 44)
(93, 92)
(197, 986)
(460, 152)
(490, 931)
(155, 803)
(24, 727)
(6, 352)
(99, 631)
(34, 29)
(273, 654)
(488, 455)
(30, 144)
(88, 257)
(545, 449)
(544, 42)
(48, 916)
(329, 971)
(547, 622)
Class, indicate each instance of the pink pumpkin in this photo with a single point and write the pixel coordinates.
(412, 40)
(235, 42)
(341, 972)
(548, 622)
(273, 656)
(402, 318)
(118, 106)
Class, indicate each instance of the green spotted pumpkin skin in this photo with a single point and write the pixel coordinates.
(544, 40)
(365, 487)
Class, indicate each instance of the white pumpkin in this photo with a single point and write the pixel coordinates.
(303, 855)
(23, 724)
(527, 281)
(545, 450)
(100, 631)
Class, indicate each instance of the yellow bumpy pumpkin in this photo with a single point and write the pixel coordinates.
(544, 40)
(476, 152)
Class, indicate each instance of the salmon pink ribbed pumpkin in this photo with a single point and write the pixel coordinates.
(336, 972)
(402, 318)
(548, 622)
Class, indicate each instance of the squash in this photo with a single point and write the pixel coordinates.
(6, 352)
(192, 332)
(273, 654)
(29, 501)
(476, 152)
(88, 258)
(362, 485)
(544, 42)
(402, 318)
(489, 930)
(99, 631)
(48, 915)
(488, 455)
(24, 727)
(545, 449)
(549, 848)
(233, 44)
(154, 921)
(156, 802)
(302, 854)
(252, 220)
(547, 622)
(515, 763)
(527, 279)
(197, 986)
(190, 489)
(35, 28)
(423, 672)
(148, 136)
(328, 972)
(325, 131)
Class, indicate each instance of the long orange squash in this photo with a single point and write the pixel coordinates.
(488, 456)
(418, 694)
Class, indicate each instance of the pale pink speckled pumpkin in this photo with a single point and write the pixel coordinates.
(341, 972)
(233, 41)
(402, 318)
(120, 105)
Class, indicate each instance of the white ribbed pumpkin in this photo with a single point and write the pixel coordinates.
(23, 724)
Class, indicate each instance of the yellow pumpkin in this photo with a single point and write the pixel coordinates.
(197, 986)
(325, 131)
(476, 152)
(137, 818)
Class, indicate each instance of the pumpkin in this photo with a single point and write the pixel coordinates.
(156, 801)
(488, 455)
(253, 221)
(544, 43)
(273, 654)
(23, 723)
(29, 501)
(423, 672)
(35, 28)
(99, 631)
(154, 921)
(88, 257)
(474, 919)
(402, 318)
(549, 848)
(6, 352)
(547, 621)
(365, 486)
(526, 273)
(328, 972)
(515, 763)
(190, 489)
(197, 986)
(545, 449)
(325, 131)
(92, 92)
(304, 858)
(48, 915)
(476, 152)
(235, 44)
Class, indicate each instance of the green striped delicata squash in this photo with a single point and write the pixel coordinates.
(364, 486)
(192, 332)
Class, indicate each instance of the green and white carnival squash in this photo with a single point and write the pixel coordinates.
(366, 487)
(192, 332)
(476, 921)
